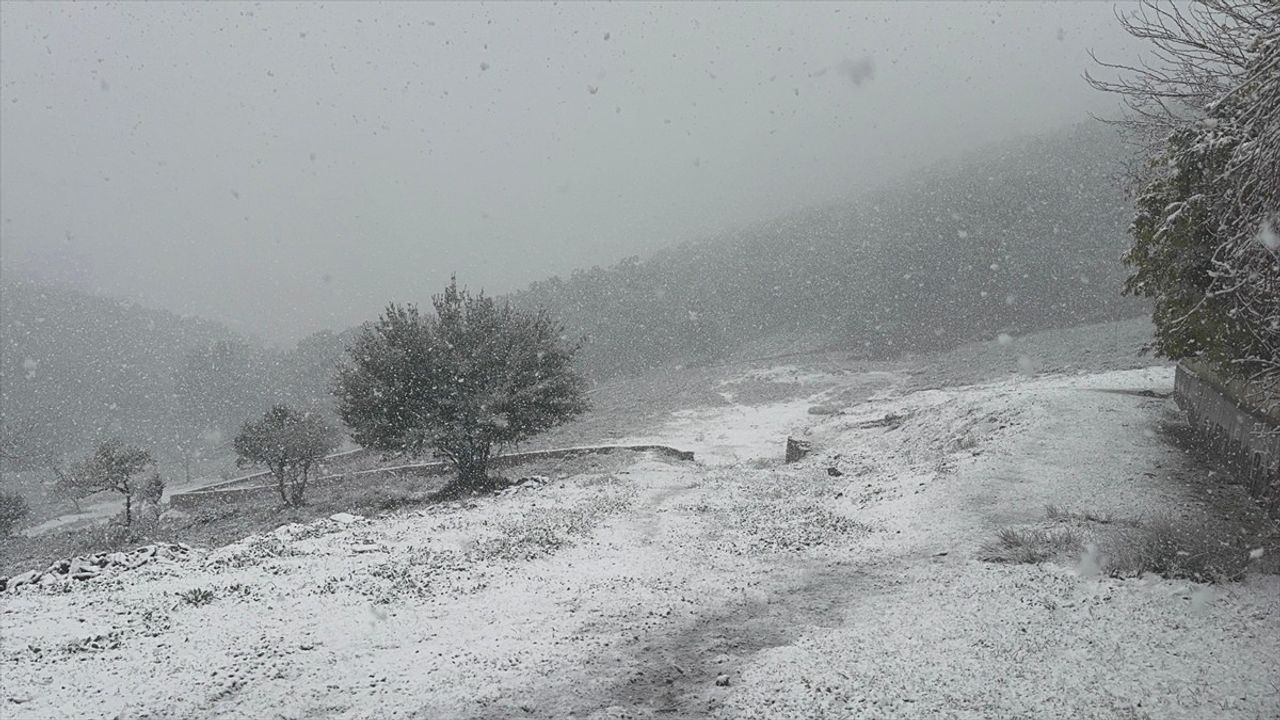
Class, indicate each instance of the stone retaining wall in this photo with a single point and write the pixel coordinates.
(259, 487)
(1235, 427)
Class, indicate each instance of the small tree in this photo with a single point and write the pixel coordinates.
(289, 444)
(13, 509)
(111, 467)
(476, 376)
(152, 489)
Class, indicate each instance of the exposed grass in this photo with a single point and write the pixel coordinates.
(220, 525)
(1162, 545)
(1173, 549)
(534, 532)
(198, 596)
(1032, 545)
(1058, 513)
(543, 531)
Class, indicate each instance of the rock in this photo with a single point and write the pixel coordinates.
(722, 680)
(834, 471)
(797, 449)
(27, 578)
(365, 546)
(345, 518)
(174, 516)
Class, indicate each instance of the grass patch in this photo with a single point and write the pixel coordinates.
(1058, 513)
(1173, 549)
(1032, 545)
(196, 597)
(544, 531)
(1126, 548)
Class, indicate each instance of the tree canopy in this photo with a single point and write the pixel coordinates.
(475, 376)
(290, 444)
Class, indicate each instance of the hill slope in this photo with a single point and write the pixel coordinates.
(1020, 237)
(77, 368)
(732, 587)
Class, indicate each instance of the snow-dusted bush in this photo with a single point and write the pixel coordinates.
(476, 376)
(13, 510)
(1207, 229)
(290, 444)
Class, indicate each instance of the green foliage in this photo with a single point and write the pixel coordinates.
(1175, 237)
(476, 376)
(1205, 247)
(289, 444)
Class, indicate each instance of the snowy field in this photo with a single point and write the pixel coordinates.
(845, 585)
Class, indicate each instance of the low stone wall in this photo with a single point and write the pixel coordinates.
(1235, 427)
(258, 487)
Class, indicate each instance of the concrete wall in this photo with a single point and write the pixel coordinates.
(261, 488)
(1234, 427)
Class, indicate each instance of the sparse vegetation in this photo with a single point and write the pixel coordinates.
(1032, 545)
(545, 531)
(1172, 548)
(1124, 547)
(1061, 514)
(198, 596)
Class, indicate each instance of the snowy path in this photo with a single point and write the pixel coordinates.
(628, 592)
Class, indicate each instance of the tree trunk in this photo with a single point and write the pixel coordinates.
(128, 509)
(299, 488)
(472, 470)
(282, 485)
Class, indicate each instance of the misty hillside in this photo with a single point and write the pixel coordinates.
(1023, 238)
(76, 367)
(1020, 237)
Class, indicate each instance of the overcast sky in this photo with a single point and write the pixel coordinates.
(284, 168)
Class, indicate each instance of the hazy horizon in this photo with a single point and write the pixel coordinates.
(287, 168)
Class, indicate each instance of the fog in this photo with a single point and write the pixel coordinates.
(283, 168)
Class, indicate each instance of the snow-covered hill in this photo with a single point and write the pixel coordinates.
(849, 584)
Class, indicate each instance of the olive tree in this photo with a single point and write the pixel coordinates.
(472, 378)
(290, 444)
(113, 467)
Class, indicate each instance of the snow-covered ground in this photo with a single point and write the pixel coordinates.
(845, 585)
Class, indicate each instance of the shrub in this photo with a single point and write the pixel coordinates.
(13, 510)
(152, 489)
(197, 596)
